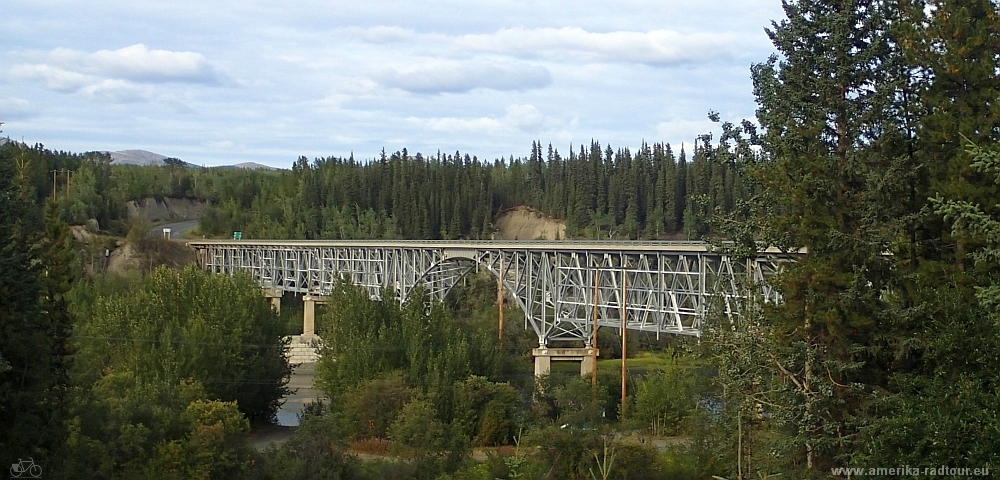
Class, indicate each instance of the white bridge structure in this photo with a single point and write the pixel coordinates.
(566, 289)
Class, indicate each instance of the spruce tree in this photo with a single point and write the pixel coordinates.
(953, 45)
(32, 330)
(824, 107)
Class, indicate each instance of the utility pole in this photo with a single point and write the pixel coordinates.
(500, 305)
(54, 185)
(593, 335)
(67, 183)
(624, 310)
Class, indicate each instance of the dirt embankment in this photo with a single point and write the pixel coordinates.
(149, 255)
(155, 210)
(526, 223)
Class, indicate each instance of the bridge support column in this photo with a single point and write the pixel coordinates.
(543, 364)
(274, 294)
(588, 364)
(309, 313)
(276, 304)
(545, 356)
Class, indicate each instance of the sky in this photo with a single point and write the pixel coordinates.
(229, 81)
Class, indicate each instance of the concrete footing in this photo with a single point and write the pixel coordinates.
(545, 356)
(303, 349)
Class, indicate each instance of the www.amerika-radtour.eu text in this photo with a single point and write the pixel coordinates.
(908, 471)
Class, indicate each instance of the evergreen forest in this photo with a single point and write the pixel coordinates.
(874, 154)
(651, 193)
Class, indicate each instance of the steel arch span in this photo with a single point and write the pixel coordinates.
(562, 287)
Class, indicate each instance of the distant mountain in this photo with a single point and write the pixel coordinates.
(141, 157)
(145, 157)
(137, 157)
(253, 166)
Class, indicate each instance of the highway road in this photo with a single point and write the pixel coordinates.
(178, 230)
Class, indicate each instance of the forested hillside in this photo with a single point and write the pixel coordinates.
(649, 193)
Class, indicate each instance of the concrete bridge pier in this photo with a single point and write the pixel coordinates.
(274, 294)
(544, 357)
(309, 312)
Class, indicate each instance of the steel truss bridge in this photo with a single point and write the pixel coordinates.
(661, 287)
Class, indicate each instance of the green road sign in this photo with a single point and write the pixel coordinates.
(237, 235)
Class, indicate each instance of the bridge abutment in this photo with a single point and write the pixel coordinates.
(544, 357)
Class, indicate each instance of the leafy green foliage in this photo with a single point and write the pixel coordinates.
(418, 429)
(971, 223)
(666, 399)
(373, 406)
(945, 341)
(125, 427)
(316, 450)
(487, 412)
(370, 338)
(171, 326)
(404, 372)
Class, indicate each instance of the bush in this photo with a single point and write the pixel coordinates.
(374, 405)
(666, 399)
(487, 412)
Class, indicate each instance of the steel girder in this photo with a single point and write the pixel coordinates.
(665, 290)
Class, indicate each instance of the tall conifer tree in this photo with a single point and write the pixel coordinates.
(824, 107)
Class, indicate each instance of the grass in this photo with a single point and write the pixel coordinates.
(641, 363)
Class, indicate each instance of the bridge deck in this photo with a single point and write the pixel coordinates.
(569, 245)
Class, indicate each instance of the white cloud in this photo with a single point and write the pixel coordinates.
(14, 109)
(349, 89)
(221, 145)
(52, 78)
(655, 47)
(116, 91)
(90, 86)
(119, 76)
(379, 34)
(450, 76)
(523, 117)
(464, 125)
(137, 63)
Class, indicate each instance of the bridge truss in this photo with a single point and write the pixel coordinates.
(664, 287)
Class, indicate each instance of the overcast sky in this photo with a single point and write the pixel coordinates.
(222, 82)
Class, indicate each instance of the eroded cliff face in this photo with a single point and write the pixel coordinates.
(526, 223)
(156, 210)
